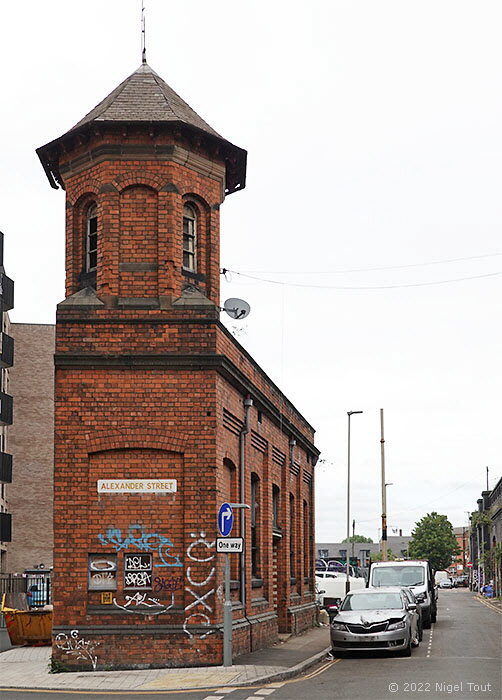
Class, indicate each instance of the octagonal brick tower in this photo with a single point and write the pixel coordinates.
(149, 396)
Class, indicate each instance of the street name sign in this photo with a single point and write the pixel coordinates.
(147, 486)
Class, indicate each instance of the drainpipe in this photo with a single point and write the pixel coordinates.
(248, 402)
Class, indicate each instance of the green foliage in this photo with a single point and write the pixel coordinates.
(358, 538)
(481, 518)
(57, 666)
(378, 556)
(433, 539)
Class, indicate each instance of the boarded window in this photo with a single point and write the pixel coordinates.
(102, 572)
(138, 571)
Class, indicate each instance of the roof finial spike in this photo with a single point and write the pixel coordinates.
(143, 33)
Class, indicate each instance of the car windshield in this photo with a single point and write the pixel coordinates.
(372, 601)
(398, 576)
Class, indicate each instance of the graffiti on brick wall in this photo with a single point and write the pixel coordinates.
(137, 537)
(74, 645)
(196, 612)
(160, 583)
(102, 571)
(143, 604)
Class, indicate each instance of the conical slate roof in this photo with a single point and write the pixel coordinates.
(145, 97)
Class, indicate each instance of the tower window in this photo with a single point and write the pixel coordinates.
(189, 238)
(91, 256)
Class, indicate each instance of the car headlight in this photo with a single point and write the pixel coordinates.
(397, 626)
(338, 626)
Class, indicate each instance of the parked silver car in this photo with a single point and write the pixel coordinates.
(376, 619)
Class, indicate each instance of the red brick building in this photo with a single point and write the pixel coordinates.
(160, 414)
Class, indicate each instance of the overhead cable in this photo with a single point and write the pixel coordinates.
(351, 288)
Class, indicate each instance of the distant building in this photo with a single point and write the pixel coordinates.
(31, 442)
(363, 551)
(462, 537)
(485, 537)
(6, 360)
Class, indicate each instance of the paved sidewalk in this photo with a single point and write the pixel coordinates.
(494, 603)
(28, 667)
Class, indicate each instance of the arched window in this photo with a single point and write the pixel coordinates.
(255, 525)
(189, 238)
(292, 538)
(91, 248)
(306, 540)
(276, 494)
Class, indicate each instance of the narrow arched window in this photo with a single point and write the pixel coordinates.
(91, 248)
(255, 525)
(189, 238)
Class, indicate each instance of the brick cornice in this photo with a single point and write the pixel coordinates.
(176, 361)
(144, 152)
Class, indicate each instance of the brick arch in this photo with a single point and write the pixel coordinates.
(192, 195)
(88, 188)
(107, 440)
(145, 179)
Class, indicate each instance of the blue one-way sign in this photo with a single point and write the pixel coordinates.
(225, 519)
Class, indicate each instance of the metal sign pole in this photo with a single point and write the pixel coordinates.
(227, 617)
(225, 522)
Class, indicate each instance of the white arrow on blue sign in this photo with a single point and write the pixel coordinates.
(225, 519)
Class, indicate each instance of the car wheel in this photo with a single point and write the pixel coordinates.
(420, 633)
(426, 621)
(407, 650)
(336, 654)
(434, 615)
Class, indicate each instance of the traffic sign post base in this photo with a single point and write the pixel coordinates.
(227, 617)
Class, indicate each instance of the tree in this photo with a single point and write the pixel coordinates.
(357, 538)
(433, 539)
(378, 556)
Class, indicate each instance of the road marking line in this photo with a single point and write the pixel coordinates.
(429, 646)
(488, 605)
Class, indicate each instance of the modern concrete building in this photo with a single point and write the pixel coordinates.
(31, 443)
(6, 360)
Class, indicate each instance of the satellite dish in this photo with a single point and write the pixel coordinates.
(236, 308)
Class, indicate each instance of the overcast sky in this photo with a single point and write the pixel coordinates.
(370, 226)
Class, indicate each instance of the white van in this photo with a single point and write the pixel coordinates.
(441, 576)
(411, 573)
(330, 587)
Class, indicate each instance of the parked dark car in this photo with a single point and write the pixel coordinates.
(412, 599)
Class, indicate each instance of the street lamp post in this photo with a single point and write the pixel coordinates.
(347, 582)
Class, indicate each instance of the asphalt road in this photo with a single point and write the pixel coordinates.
(459, 657)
